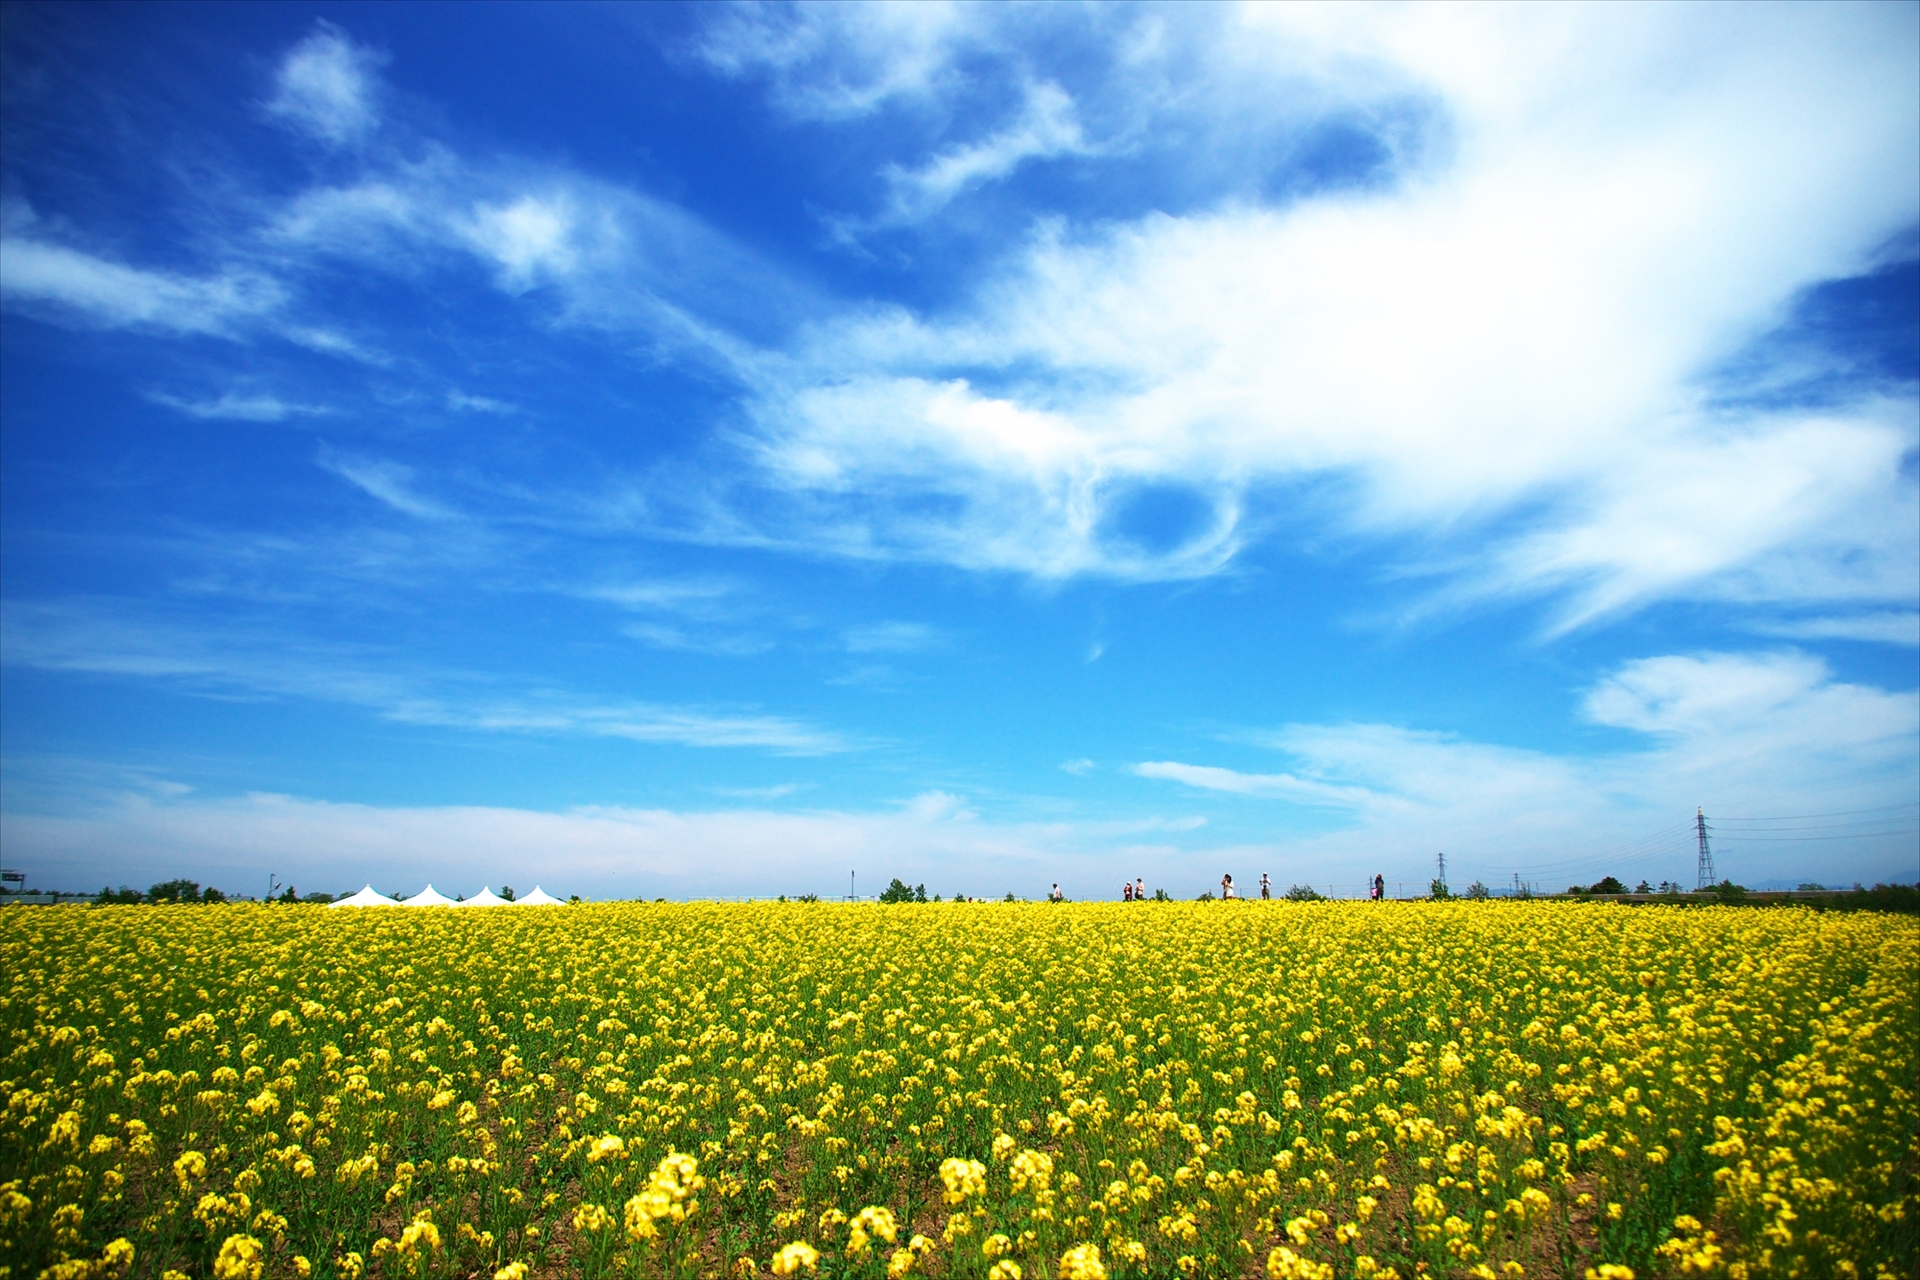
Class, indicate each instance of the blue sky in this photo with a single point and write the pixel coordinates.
(710, 450)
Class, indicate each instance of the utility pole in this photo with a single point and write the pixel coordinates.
(1706, 853)
(851, 876)
(1443, 870)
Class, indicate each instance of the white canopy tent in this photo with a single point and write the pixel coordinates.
(366, 898)
(485, 898)
(428, 898)
(538, 898)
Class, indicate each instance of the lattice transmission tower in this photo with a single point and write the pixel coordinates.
(1705, 875)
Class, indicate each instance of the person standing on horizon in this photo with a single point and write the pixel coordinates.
(1139, 888)
(1266, 887)
(1126, 891)
(1379, 888)
(1226, 888)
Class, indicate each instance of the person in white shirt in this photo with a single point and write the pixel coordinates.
(1266, 887)
(1226, 888)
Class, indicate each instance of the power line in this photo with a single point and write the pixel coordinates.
(1743, 839)
(1838, 813)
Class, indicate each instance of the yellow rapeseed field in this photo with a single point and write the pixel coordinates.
(1007, 1091)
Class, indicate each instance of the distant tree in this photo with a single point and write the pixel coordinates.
(1160, 895)
(1438, 891)
(1478, 892)
(1610, 884)
(1728, 891)
(1207, 896)
(1811, 887)
(211, 895)
(1302, 893)
(1642, 888)
(506, 891)
(900, 891)
(808, 897)
(318, 895)
(123, 894)
(1009, 896)
(174, 891)
(936, 897)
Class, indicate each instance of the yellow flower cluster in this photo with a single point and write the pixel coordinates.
(982, 1092)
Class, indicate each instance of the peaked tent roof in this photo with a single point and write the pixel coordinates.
(428, 898)
(485, 898)
(538, 898)
(366, 898)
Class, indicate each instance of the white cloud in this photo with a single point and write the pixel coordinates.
(1046, 127)
(1299, 790)
(838, 62)
(1505, 356)
(530, 239)
(732, 645)
(100, 638)
(328, 87)
(478, 404)
(389, 482)
(597, 851)
(1740, 734)
(1745, 735)
(890, 637)
(1884, 626)
(1078, 768)
(95, 291)
(240, 406)
(700, 595)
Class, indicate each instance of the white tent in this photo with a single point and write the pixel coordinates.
(428, 898)
(366, 898)
(485, 898)
(538, 898)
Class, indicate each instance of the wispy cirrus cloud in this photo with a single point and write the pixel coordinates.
(388, 482)
(891, 637)
(1880, 626)
(1286, 785)
(37, 273)
(1046, 127)
(828, 62)
(257, 662)
(240, 406)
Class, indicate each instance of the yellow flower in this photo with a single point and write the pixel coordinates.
(1284, 1264)
(964, 1178)
(240, 1258)
(798, 1256)
(1082, 1262)
(1005, 1269)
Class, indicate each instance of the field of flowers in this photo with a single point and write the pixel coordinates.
(1005, 1091)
